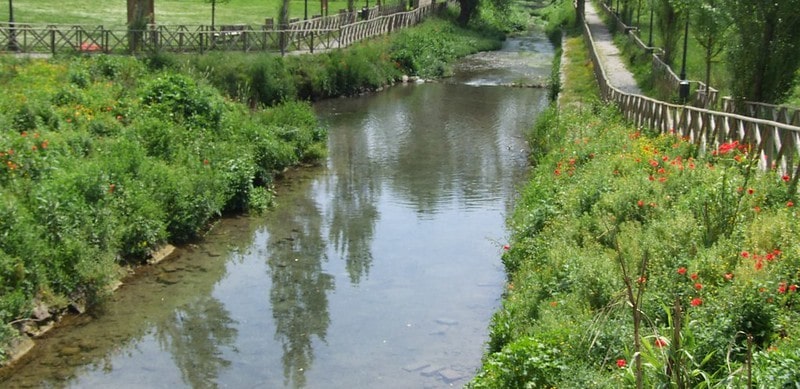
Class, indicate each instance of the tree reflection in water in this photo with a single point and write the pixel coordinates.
(353, 213)
(299, 286)
(194, 335)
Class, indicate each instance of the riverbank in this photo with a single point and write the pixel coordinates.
(634, 260)
(106, 159)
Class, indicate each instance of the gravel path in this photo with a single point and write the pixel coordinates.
(618, 75)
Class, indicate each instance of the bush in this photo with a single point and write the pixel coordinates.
(102, 161)
(707, 239)
(524, 363)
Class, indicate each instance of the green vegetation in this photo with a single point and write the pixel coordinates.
(189, 12)
(753, 40)
(704, 248)
(637, 261)
(104, 158)
(264, 79)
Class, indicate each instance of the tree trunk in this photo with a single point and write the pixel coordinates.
(213, 13)
(468, 7)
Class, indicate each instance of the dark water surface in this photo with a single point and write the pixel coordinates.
(379, 270)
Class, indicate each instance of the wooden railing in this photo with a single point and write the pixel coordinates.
(777, 144)
(320, 33)
(705, 96)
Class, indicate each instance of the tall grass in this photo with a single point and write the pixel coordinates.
(635, 260)
(103, 160)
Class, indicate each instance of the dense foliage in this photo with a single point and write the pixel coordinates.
(631, 245)
(103, 160)
(426, 51)
(747, 49)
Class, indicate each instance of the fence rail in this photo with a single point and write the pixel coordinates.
(776, 143)
(706, 96)
(320, 33)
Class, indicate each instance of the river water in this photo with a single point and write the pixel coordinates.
(380, 269)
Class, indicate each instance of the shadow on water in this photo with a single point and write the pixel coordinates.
(380, 269)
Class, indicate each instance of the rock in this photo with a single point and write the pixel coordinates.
(69, 350)
(162, 253)
(113, 286)
(40, 312)
(78, 306)
(416, 367)
(447, 322)
(404, 79)
(20, 346)
(431, 371)
(33, 330)
(168, 279)
(450, 375)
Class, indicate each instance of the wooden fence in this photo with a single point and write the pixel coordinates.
(320, 33)
(776, 143)
(705, 96)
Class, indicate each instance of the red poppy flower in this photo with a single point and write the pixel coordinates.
(693, 276)
(697, 301)
(660, 343)
(682, 270)
(728, 276)
(621, 363)
(698, 286)
(785, 178)
(793, 288)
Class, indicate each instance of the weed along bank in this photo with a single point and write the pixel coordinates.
(109, 159)
(326, 288)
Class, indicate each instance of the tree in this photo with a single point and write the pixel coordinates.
(283, 23)
(214, 9)
(669, 28)
(709, 23)
(765, 51)
(140, 13)
(468, 9)
(579, 9)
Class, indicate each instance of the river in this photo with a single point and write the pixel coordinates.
(379, 269)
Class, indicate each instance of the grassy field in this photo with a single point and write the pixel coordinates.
(191, 12)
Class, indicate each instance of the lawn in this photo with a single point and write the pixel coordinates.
(191, 12)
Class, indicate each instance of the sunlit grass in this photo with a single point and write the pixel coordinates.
(580, 85)
(190, 12)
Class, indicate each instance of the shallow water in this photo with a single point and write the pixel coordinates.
(380, 269)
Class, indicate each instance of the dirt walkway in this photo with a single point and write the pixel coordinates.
(614, 66)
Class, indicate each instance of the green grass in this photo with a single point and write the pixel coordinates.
(718, 235)
(190, 12)
(581, 85)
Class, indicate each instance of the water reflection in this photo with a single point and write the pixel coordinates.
(354, 189)
(299, 294)
(380, 269)
(193, 335)
(164, 320)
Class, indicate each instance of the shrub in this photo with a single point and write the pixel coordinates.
(524, 363)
